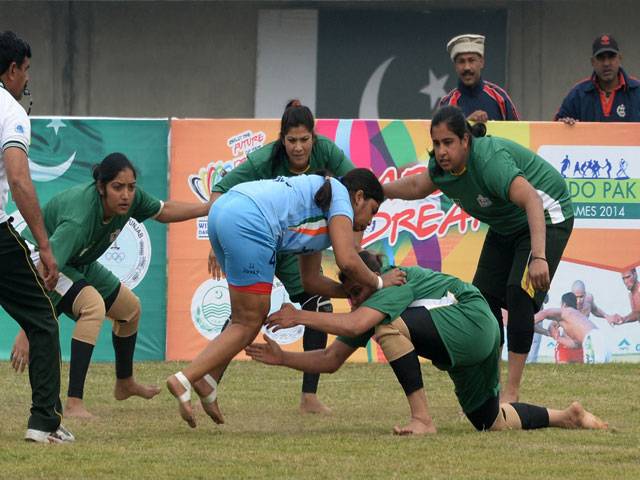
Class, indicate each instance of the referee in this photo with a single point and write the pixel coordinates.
(22, 289)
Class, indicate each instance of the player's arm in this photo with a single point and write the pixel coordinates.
(173, 211)
(350, 263)
(522, 194)
(349, 324)
(634, 316)
(314, 282)
(327, 360)
(24, 195)
(411, 187)
(597, 311)
(548, 313)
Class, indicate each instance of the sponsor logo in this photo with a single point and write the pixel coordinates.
(621, 111)
(624, 345)
(20, 129)
(246, 142)
(483, 201)
(210, 308)
(129, 255)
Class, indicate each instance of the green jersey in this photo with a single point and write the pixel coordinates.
(74, 222)
(464, 322)
(482, 190)
(325, 155)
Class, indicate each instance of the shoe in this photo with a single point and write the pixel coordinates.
(61, 435)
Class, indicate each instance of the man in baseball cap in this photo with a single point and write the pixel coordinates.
(609, 95)
(479, 100)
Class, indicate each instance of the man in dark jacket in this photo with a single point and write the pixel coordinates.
(609, 95)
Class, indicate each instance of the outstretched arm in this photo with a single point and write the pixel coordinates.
(173, 211)
(411, 187)
(550, 313)
(347, 324)
(327, 360)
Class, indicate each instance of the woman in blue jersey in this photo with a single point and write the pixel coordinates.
(526, 203)
(251, 224)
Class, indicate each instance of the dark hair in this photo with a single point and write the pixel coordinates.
(295, 114)
(357, 179)
(12, 49)
(570, 300)
(110, 167)
(372, 260)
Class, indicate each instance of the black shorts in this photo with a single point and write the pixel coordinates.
(504, 258)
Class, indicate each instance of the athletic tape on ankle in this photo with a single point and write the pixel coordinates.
(184, 381)
(214, 393)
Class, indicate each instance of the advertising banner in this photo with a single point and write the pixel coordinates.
(62, 153)
(600, 164)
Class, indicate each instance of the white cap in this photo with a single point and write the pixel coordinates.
(467, 43)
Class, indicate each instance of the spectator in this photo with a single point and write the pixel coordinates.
(609, 95)
(479, 100)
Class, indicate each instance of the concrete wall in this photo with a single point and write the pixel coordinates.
(147, 59)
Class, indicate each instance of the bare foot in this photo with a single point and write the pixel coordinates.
(578, 417)
(415, 427)
(128, 387)
(75, 409)
(176, 389)
(203, 389)
(310, 403)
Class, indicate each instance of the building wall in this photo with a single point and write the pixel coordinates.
(150, 59)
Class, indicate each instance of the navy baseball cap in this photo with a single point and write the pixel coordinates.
(605, 43)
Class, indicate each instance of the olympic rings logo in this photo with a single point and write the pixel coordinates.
(117, 257)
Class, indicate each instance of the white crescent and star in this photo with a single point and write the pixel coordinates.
(369, 100)
(40, 173)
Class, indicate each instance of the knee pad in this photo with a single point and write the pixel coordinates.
(508, 418)
(520, 327)
(89, 312)
(530, 416)
(392, 340)
(125, 313)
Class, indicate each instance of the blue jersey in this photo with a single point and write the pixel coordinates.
(288, 205)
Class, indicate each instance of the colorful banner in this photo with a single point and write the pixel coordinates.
(600, 163)
(61, 155)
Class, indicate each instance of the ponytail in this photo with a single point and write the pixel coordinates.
(357, 179)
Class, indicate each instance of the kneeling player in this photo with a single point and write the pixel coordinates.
(435, 316)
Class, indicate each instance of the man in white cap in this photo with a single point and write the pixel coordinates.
(479, 100)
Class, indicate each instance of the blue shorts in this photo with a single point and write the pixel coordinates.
(243, 242)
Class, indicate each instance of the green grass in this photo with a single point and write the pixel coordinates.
(265, 437)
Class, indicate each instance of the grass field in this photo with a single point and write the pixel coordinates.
(266, 437)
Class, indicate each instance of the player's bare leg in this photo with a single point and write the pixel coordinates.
(575, 416)
(74, 408)
(310, 403)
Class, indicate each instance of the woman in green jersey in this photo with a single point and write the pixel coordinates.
(435, 316)
(82, 222)
(527, 206)
(298, 150)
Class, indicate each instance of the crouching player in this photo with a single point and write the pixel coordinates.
(435, 316)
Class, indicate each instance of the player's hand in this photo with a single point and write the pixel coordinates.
(48, 268)
(286, 317)
(20, 352)
(554, 331)
(539, 274)
(214, 267)
(615, 319)
(568, 120)
(479, 116)
(394, 277)
(269, 353)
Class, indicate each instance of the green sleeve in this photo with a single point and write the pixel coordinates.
(146, 206)
(498, 173)
(391, 301)
(245, 172)
(338, 163)
(359, 341)
(67, 241)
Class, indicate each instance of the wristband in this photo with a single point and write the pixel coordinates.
(538, 258)
(380, 282)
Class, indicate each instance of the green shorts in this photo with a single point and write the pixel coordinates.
(504, 258)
